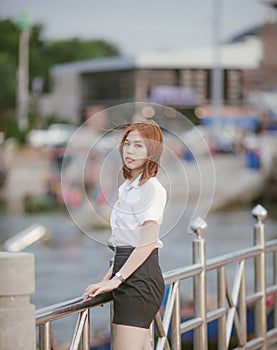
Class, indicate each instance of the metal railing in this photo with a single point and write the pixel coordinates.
(231, 306)
(25, 238)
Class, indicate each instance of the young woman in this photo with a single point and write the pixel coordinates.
(135, 277)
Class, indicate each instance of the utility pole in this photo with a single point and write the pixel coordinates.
(23, 73)
(217, 76)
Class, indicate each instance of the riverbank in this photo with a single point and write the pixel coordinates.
(210, 182)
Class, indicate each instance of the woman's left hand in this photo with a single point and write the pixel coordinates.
(101, 287)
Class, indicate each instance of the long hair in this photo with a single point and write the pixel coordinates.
(153, 138)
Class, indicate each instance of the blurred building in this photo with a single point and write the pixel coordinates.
(261, 84)
(264, 78)
(180, 79)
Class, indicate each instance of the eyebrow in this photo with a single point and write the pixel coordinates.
(136, 141)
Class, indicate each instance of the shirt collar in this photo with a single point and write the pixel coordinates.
(133, 184)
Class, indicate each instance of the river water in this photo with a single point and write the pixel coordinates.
(70, 260)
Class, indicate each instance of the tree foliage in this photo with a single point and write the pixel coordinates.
(42, 55)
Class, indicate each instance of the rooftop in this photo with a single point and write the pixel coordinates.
(245, 54)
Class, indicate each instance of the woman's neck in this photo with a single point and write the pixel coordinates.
(135, 173)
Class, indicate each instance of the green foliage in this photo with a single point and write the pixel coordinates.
(8, 62)
(42, 56)
(7, 81)
(76, 49)
(10, 127)
(9, 36)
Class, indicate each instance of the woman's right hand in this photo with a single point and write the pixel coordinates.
(101, 287)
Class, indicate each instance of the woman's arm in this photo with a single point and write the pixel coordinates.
(149, 233)
(108, 274)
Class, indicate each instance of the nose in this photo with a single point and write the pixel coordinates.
(130, 149)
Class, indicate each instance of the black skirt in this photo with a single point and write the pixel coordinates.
(138, 299)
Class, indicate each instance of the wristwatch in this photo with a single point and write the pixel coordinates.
(119, 276)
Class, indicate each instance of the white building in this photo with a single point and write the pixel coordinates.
(81, 86)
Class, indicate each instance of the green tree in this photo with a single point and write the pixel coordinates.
(43, 55)
(8, 63)
(75, 49)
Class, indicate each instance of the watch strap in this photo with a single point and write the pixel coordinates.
(119, 276)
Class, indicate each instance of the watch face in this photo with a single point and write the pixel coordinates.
(118, 275)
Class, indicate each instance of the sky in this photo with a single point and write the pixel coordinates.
(142, 26)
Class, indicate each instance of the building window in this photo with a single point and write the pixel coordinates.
(233, 86)
(107, 86)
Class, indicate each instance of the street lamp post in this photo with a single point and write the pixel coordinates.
(23, 73)
(217, 76)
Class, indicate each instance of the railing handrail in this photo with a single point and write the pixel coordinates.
(182, 273)
(25, 238)
(77, 304)
(70, 306)
(270, 245)
(230, 258)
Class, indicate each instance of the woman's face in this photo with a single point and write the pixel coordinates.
(134, 151)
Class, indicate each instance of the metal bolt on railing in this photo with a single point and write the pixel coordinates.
(259, 213)
(198, 226)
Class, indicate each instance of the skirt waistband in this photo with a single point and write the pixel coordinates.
(128, 250)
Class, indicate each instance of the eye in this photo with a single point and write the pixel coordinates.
(138, 145)
(126, 143)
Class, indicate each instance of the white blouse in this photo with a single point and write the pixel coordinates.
(136, 204)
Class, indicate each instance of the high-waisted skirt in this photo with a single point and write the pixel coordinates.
(138, 299)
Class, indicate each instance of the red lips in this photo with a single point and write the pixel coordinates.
(129, 159)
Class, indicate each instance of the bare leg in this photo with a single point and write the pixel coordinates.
(128, 337)
(148, 341)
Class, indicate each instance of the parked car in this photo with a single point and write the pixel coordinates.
(56, 135)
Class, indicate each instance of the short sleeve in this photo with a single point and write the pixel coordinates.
(151, 203)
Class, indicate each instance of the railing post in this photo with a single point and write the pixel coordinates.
(44, 336)
(112, 330)
(260, 213)
(275, 283)
(176, 320)
(242, 308)
(198, 226)
(86, 332)
(221, 299)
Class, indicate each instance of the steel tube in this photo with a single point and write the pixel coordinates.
(69, 307)
(228, 259)
(191, 324)
(215, 314)
(44, 336)
(199, 292)
(242, 309)
(182, 273)
(176, 320)
(275, 284)
(271, 246)
(85, 340)
(260, 285)
(221, 299)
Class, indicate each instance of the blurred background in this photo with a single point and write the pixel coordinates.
(61, 63)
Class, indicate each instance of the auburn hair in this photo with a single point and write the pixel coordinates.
(153, 139)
